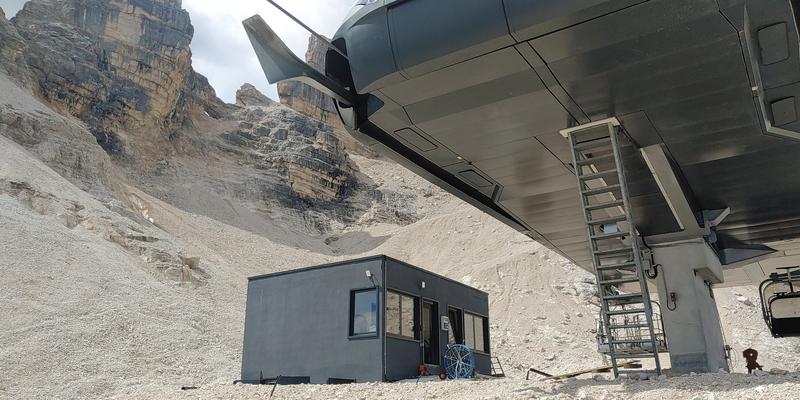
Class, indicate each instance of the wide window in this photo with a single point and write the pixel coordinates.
(363, 312)
(401, 313)
(475, 332)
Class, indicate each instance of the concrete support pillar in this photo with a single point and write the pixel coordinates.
(691, 322)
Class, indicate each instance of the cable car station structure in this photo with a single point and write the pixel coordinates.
(655, 143)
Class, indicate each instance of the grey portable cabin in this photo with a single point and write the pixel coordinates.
(370, 319)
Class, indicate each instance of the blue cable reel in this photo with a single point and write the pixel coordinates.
(459, 362)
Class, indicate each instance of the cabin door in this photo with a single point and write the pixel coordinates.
(430, 332)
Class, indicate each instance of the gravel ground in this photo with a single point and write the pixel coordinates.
(699, 387)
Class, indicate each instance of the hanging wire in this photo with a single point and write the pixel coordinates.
(323, 39)
(729, 351)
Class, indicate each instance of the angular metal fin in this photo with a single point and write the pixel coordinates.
(280, 64)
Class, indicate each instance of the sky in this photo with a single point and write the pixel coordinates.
(221, 50)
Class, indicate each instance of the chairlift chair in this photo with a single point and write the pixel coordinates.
(780, 302)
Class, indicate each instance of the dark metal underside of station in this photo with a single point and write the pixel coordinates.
(481, 114)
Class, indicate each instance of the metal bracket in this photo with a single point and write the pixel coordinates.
(667, 181)
(613, 121)
(712, 218)
(279, 63)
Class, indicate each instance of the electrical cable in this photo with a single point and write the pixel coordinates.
(652, 262)
(655, 271)
(729, 351)
(321, 38)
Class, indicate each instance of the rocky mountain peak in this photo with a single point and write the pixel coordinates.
(248, 95)
(122, 66)
(124, 69)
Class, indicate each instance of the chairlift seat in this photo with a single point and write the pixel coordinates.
(781, 308)
(785, 327)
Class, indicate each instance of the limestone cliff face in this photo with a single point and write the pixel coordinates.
(120, 74)
(315, 163)
(122, 66)
(313, 103)
(12, 50)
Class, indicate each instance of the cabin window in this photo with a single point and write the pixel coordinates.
(456, 332)
(475, 332)
(363, 312)
(401, 313)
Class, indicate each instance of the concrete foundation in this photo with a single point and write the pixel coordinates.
(691, 319)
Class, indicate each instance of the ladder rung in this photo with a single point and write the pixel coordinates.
(601, 190)
(596, 175)
(619, 281)
(631, 341)
(636, 371)
(617, 266)
(613, 252)
(590, 161)
(627, 326)
(610, 236)
(610, 204)
(624, 296)
(592, 144)
(628, 302)
(630, 356)
(622, 312)
(609, 220)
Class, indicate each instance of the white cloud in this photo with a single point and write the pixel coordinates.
(221, 50)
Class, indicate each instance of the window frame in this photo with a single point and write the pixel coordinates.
(460, 313)
(352, 310)
(485, 347)
(416, 315)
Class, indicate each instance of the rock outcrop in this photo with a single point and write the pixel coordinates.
(62, 142)
(12, 50)
(304, 151)
(248, 95)
(307, 151)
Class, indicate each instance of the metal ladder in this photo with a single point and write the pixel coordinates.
(497, 368)
(614, 242)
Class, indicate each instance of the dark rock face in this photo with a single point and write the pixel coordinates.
(12, 50)
(305, 151)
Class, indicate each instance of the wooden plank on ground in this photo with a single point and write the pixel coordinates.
(605, 368)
